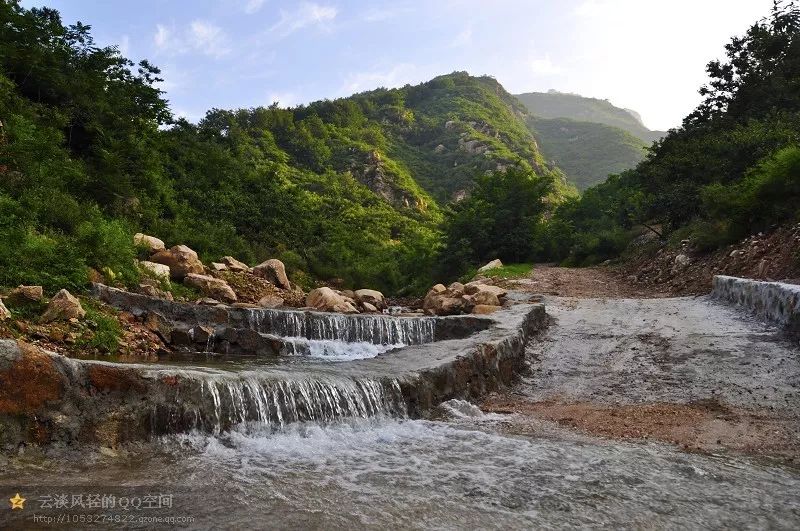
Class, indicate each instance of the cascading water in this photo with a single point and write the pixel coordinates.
(216, 403)
(333, 350)
(378, 330)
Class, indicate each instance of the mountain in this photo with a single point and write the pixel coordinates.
(348, 189)
(588, 138)
(553, 104)
(587, 152)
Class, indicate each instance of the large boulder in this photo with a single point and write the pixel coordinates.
(447, 301)
(270, 301)
(4, 313)
(152, 243)
(181, 261)
(211, 287)
(485, 298)
(371, 297)
(25, 295)
(63, 307)
(494, 264)
(327, 300)
(274, 271)
(159, 271)
(234, 264)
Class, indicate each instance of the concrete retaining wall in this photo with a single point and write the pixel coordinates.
(771, 301)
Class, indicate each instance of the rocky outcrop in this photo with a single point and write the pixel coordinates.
(22, 295)
(215, 288)
(235, 265)
(181, 261)
(63, 307)
(151, 243)
(274, 271)
(494, 264)
(327, 300)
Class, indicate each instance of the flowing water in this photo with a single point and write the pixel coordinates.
(465, 472)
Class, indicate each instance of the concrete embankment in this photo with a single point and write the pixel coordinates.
(46, 398)
(776, 302)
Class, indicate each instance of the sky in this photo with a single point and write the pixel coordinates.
(645, 55)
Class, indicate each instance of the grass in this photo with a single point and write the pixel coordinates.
(107, 333)
(510, 271)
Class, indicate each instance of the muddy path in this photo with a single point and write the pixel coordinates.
(686, 371)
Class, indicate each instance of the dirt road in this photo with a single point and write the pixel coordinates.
(686, 370)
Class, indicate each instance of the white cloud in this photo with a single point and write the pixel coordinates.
(253, 6)
(543, 66)
(306, 15)
(377, 14)
(200, 36)
(394, 77)
(462, 39)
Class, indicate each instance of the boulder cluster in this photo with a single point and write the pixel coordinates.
(476, 297)
(268, 280)
(64, 306)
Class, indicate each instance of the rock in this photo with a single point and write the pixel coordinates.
(369, 307)
(208, 301)
(234, 264)
(216, 266)
(682, 260)
(372, 297)
(484, 309)
(152, 243)
(477, 286)
(201, 334)
(152, 291)
(270, 301)
(327, 300)
(25, 295)
(445, 305)
(494, 264)
(211, 287)
(485, 298)
(4, 313)
(181, 261)
(248, 305)
(439, 149)
(63, 307)
(180, 338)
(734, 254)
(274, 271)
(159, 325)
(160, 271)
(456, 289)
(439, 288)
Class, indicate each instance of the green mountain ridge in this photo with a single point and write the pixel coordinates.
(555, 104)
(348, 189)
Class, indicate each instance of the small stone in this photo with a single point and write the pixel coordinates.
(369, 307)
(159, 271)
(270, 301)
(4, 313)
(274, 271)
(494, 264)
(211, 286)
(234, 265)
(216, 266)
(484, 309)
(152, 243)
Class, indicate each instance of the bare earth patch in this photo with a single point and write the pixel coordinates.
(586, 282)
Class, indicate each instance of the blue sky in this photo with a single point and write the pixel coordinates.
(647, 55)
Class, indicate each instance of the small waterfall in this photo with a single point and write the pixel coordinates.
(378, 330)
(224, 402)
(332, 350)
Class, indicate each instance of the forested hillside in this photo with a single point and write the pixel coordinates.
(587, 152)
(345, 189)
(732, 169)
(554, 104)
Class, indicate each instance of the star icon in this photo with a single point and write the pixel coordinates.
(17, 502)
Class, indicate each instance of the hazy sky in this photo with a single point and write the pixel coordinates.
(647, 55)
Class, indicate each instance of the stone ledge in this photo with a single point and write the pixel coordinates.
(775, 302)
(103, 403)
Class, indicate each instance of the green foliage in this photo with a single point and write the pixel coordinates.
(497, 220)
(553, 104)
(106, 331)
(730, 170)
(587, 152)
(510, 271)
